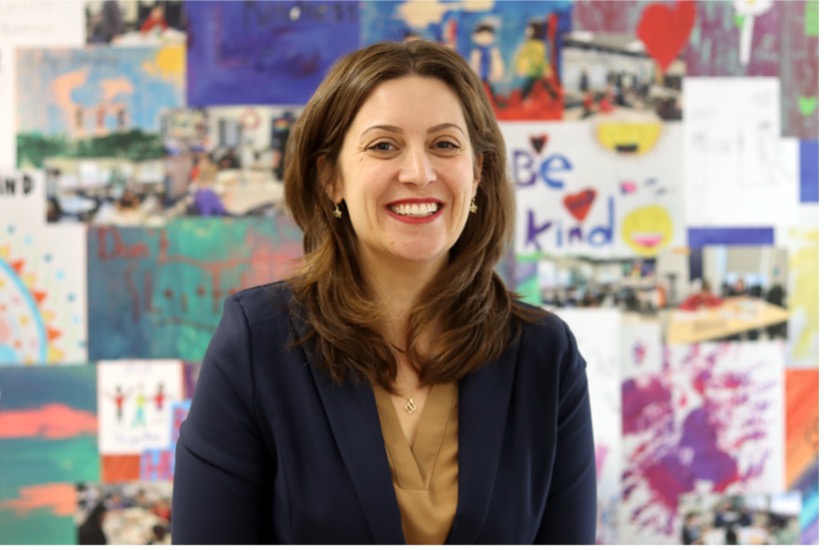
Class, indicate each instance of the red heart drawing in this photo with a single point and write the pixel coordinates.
(538, 142)
(665, 30)
(579, 204)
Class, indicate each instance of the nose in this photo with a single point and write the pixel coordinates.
(417, 168)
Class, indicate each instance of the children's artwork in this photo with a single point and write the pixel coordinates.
(735, 38)
(798, 69)
(748, 519)
(613, 190)
(82, 114)
(136, 23)
(710, 421)
(733, 154)
(607, 77)
(606, 15)
(159, 464)
(808, 159)
(48, 442)
(514, 46)
(597, 333)
(158, 292)
(135, 513)
(43, 318)
(134, 401)
(230, 159)
(26, 24)
(801, 240)
(642, 347)
(265, 52)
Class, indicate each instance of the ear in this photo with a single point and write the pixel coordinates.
(478, 171)
(327, 176)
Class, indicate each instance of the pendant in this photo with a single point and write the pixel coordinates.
(410, 406)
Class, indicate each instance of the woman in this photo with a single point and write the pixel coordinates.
(392, 390)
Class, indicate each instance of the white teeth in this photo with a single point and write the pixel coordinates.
(416, 210)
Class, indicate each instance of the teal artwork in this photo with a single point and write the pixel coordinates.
(158, 292)
(48, 444)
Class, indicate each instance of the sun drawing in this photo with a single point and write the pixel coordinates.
(27, 332)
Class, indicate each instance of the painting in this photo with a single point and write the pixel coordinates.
(48, 442)
(608, 191)
(43, 316)
(798, 39)
(82, 115)
(598, 333)
(30, 24)
(733, 154)
(514, 46)
(709, 421)
(738, 38)
(265, 53)
(158, 292)
(802, 446)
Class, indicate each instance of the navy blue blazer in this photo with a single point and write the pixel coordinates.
(274, 452)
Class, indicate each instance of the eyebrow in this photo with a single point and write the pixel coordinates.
(398, 129)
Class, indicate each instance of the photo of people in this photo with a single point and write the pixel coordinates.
(611, 75)
(124, 23)
(128, 513)
(740, 519)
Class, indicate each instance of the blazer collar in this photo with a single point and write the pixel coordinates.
(483, 402)
(353, 418)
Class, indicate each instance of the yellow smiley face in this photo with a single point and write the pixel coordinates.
(628, 138)
(647, 230)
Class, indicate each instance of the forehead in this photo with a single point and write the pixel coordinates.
(410, 101)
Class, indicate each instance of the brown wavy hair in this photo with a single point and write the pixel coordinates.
(466, 307)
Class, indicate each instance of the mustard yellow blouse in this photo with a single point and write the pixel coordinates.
(425, 476)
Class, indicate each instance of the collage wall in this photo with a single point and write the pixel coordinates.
(665, 162)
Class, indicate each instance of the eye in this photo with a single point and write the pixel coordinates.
(446, 145)
(382, 146)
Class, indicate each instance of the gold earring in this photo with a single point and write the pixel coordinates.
(336, 212)
(473, 207)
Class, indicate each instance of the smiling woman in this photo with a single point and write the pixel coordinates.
(393, 390)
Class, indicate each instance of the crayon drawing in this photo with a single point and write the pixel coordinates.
(265, 53)
(48, 442)
(514, 46)
(158, 292)
(134, 401)
(136, 23)
(710, 421)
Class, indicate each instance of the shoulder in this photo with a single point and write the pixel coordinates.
(547, 341)
(545, 328)
(264, 302)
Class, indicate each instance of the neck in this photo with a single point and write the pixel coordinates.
(398, 285)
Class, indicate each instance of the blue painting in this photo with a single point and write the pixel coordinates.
(514, 46)
(265, 52)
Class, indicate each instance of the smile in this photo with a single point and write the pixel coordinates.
(647, 240)
(415, 210)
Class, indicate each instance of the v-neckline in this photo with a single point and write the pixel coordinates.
(413, 466)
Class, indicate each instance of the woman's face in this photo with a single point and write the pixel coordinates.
(407, 172)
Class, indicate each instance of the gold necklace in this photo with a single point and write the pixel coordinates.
(409, 407)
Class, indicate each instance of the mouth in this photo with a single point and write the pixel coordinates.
(415, 209)
(647, 240)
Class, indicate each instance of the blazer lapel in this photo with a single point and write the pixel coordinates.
(483, 402)
(353, 417)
